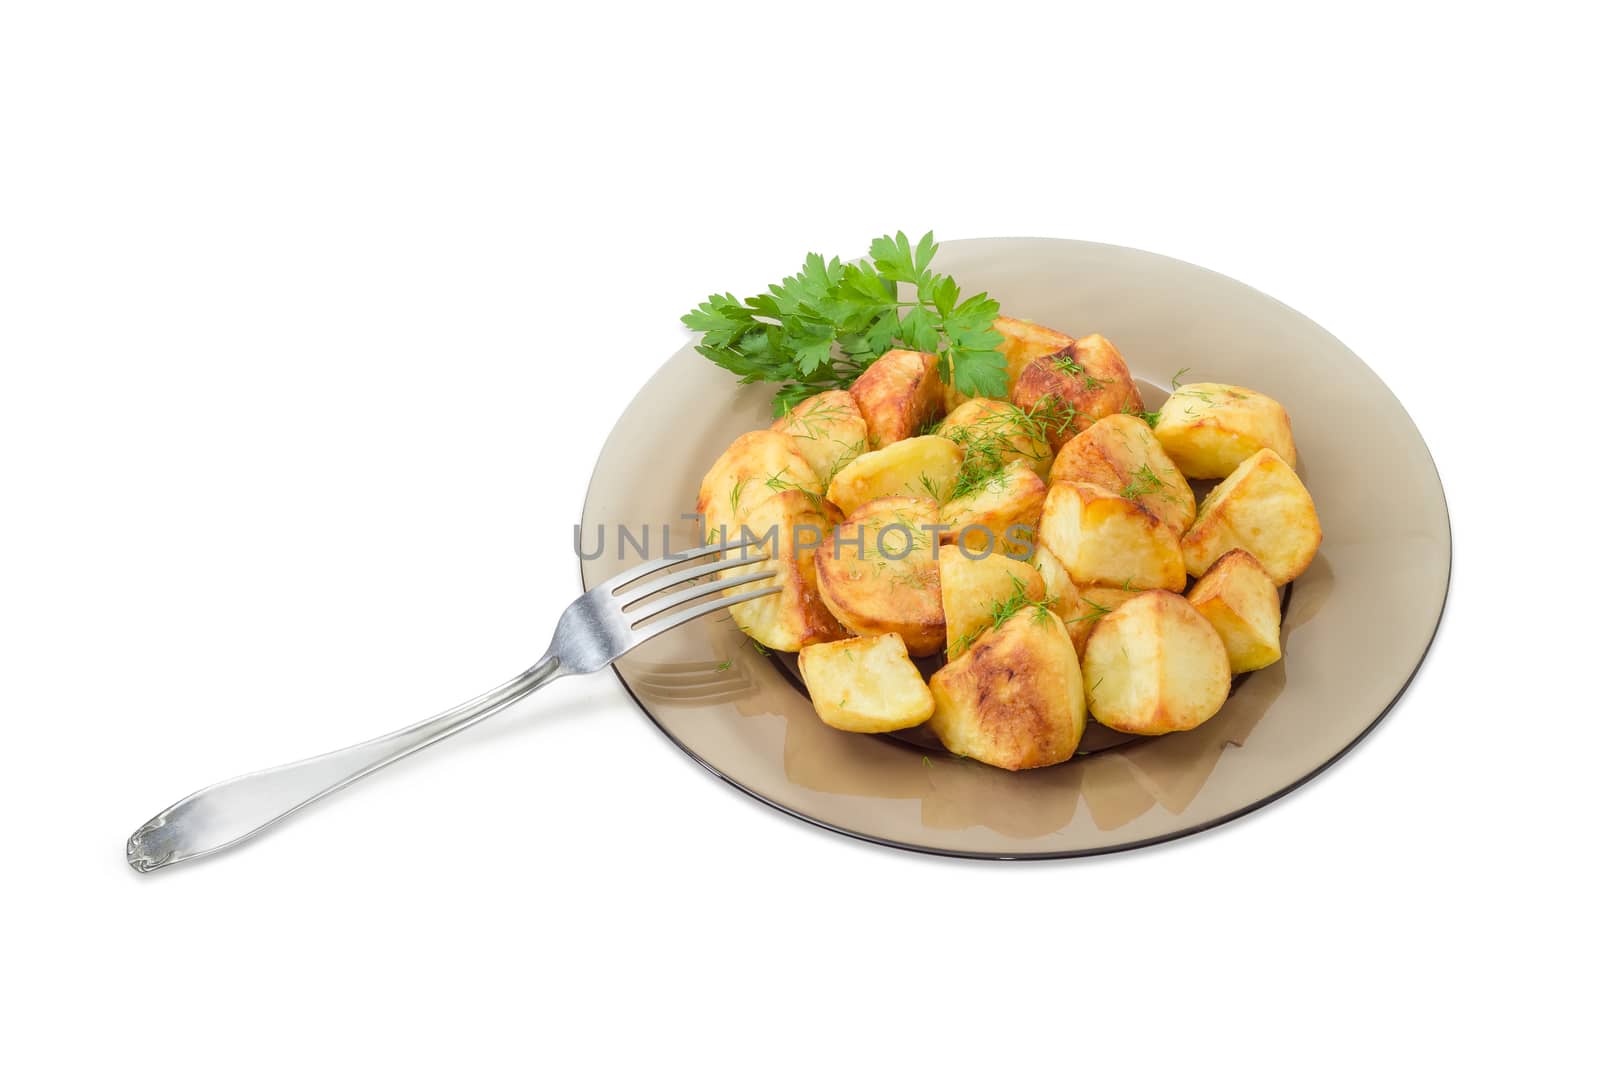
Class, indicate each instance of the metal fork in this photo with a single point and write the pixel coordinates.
(595, 629)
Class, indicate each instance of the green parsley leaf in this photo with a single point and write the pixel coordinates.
(820, 328)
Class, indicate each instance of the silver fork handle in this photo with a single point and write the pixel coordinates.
(230, 812)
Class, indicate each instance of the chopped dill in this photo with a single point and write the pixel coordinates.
(1007, 433)
(1149, 417)
(1177, 378)
(806, 426)
(725, 665)
(849, 455)
(778, 483)
(1099, 610)
(1069, 364)
(1145, 482)
(1013, 605)
(999, 612)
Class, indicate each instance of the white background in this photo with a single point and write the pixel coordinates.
(313, 318)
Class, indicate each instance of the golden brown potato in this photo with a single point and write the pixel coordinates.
(994, 432)
(899, 395)
(1060, 592)
(1022, 341)
(1088, 380)
(999, 514)
(1153, 666)
(756, 467)
(924, 466)
(1241, 604)
(1209, 429)
(1094, 603)
(791, 526)
(974, 591)
(878, 573)
(866, 684)
(1101, 538)
(1015, 698)
(828, 430)
(1119, 452)
(1263, 508)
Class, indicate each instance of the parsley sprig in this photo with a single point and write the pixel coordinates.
(820, 328)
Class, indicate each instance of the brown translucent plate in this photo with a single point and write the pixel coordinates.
(1357, 623)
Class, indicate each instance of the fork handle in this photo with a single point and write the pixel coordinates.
(228, 813)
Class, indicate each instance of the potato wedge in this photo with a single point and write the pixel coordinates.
(1153, 666)
(1021, 341)
(1088, 380)
(899, 395)
(1000, 514)
(1101, 538)
(996, 432)
(1209, 429)
(924, 466)
(973, 591)
(791, 527)
(878, 573)
(1015, 698)
(866, 684)
(828, 430)
(1094, 603)
(1241, 604)
(1263, 508)
(756, 467)
(1060, 592)
(1120, 452)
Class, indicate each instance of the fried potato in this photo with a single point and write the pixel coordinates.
(1088, 379)
(1015, 698)
(1120, 452)
(899, 395)
(998, 432)
(756, 467)
(1101, 538)
(1263, 508)
(1093, 604)
(1021, 341)
(878, 573)
(1241, 604)
(1153, 666)
(1060, 592)
(924, 466)
(971, 592)
(1209, 429)
(866, 684)
(828, 430)
(791, 526)
(999, 515)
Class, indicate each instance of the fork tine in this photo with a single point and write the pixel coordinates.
(656, 585)
(634, 573)
(674, 600)
(695, 611)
